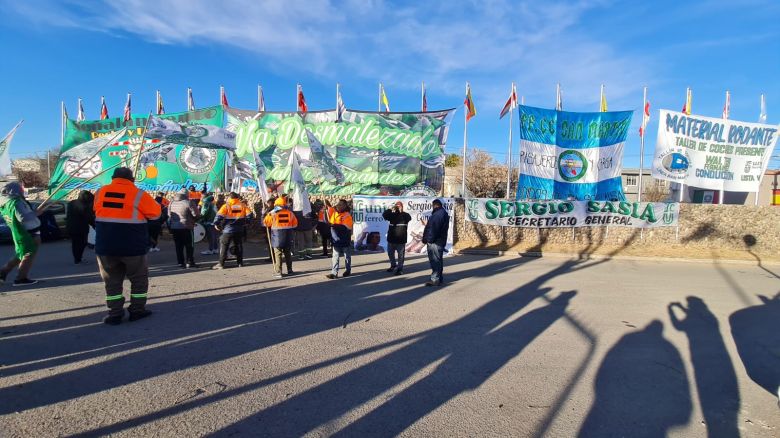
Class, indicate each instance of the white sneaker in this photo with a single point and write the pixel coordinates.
(154, 249)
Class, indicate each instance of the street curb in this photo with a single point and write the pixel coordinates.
(500, 253)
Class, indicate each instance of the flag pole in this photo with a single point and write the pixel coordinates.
(725, 116)
(601, 97)
(62, 123)
(687, 95)
(642, 145)
(509, 154)
(258, 97)
(141, 148)
(422, 96)
(379, 102)
(519, 147)
(465, 132)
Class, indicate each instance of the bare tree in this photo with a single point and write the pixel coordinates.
(484, 177)
(34, 171)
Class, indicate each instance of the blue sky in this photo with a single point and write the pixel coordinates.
(64, 50)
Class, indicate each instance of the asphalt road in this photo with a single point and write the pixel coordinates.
(508, 346)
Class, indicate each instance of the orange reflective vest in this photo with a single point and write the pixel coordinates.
(123, 202)
(281, 220)
(121, 212)
(195, 195)
(234, 209)
(336, 218)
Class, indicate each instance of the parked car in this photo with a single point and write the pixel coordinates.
(53, 224)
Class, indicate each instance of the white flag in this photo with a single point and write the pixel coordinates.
(558, 98)
(5, 149)
(80, 117)
(300, 195)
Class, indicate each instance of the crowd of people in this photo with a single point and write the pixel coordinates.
(128, 223)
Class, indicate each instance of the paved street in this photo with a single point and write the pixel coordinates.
(508, 347)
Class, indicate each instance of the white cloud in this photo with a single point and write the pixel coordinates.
(489, 43)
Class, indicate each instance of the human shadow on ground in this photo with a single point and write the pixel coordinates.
(756, 334)
(641, 388)
(716, 380)
(190, 332)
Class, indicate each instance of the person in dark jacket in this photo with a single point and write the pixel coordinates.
(155, 226)
(435, 237)
(282, 223)
(121, 243)
(231, 220)
(396, 236)
(304, 234)
(323, 228)
(79, 217)
(181, 222)
(340, 222)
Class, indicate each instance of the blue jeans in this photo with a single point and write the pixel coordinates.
(436, 257)
(400, 249)
(345, 251)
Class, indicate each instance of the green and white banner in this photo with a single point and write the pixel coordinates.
(164, 166)
(566, 214)
(358, 153)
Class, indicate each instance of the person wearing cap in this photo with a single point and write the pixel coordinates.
(25, 231)
(396, 236)
(340, 222)
(182, 217)
(121, 243)
(282, 222)
(435, 237)
(231, 220)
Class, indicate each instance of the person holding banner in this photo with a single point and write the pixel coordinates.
(121, 243)
(396, 236)
(282, 222)
(340, 221)
(231, 220)
(435, 237)
(25, 231)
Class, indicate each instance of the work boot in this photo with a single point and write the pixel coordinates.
(346, 273)
(113, 319)
(135, 316)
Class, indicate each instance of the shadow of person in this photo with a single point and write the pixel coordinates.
(716, 380)
(755, 332)
(641, 388)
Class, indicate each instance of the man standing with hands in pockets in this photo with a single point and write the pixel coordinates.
(396, 236)
(435, 237)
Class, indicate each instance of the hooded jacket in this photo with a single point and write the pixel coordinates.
(20, 218)
(233, 216)
(437, 227)
(182, 214)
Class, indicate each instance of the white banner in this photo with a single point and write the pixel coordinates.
(712, 153)
(567, 214)
(370, 228)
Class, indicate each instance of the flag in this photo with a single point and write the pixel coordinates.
(424, 99)
(511, 103)
(302, 107)
(762, 115)
(558, 98)
(223, 97)
(727, 106)
(319, 153)
(300, 194)
(471, 110)
(80, 117)
(688, 98)
(645, 119)
(260, 100)
(198, 136)
(5, 148)
(160, 105)
(103, 108)
(603, 107)
(340, 107)
(190, 100)
(383, 98)
(127, 115)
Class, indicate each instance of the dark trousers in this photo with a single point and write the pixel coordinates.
(113, 271)
(237, 240)
(324, 231)
(154, 234)
(77, 244)
(182, 238)
(436, 257)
